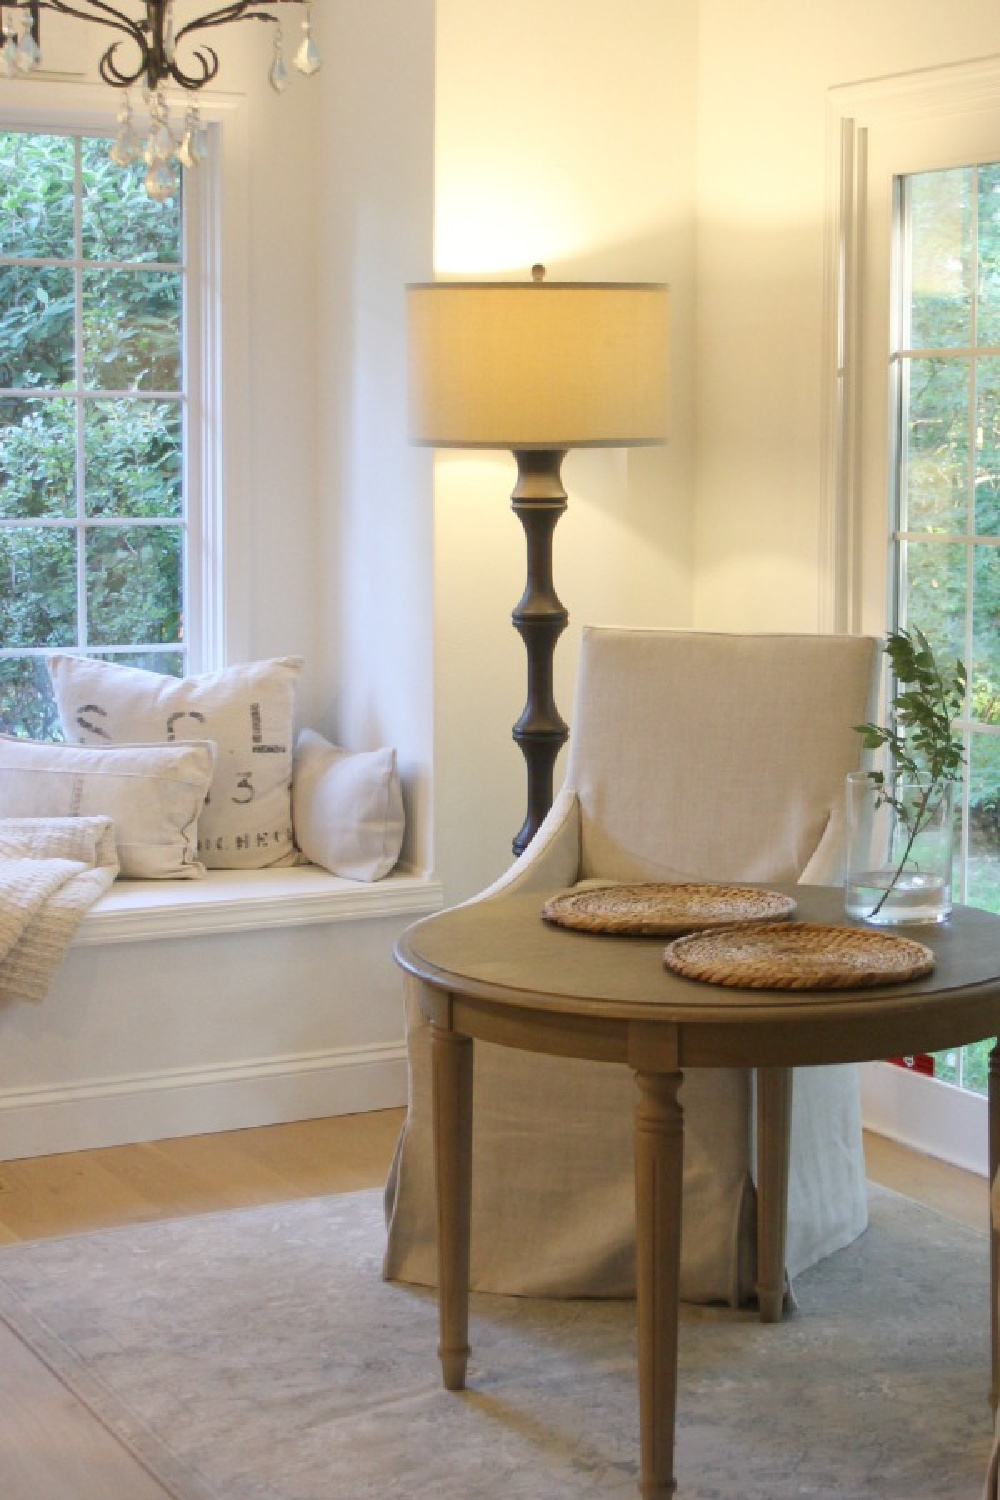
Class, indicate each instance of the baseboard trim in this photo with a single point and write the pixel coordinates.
(927, 1115)
(198, 1101)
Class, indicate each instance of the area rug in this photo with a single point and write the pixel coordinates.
(258, 1355)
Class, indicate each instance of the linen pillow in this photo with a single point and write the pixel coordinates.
(347, 807)
(153, 795)
(246, 710)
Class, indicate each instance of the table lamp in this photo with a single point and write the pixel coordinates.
(538, 367)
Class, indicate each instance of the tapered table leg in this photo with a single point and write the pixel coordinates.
(659, 1163)
(774, 1127)
(451, 1066)
(993, 1087)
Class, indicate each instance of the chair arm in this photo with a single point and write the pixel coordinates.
(552, 859)
(826, 864)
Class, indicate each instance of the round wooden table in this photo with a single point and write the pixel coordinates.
(495, 971)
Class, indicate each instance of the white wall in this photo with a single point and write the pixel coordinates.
(565, 134)
(764, 74)
(374, 592)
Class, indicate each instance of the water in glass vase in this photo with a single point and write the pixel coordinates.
(914, 897)
(899, 855)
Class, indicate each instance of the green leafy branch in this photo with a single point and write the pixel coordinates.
(920, 738)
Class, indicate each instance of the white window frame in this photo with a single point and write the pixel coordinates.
(216, 349)
(878, 132)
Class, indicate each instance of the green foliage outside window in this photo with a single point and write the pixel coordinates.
(949, 491)
(91, 419)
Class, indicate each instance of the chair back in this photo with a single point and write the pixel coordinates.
(703, 756)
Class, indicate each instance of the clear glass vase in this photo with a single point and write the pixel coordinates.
(900, 847)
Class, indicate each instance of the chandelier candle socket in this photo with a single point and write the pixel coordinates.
(159, 51)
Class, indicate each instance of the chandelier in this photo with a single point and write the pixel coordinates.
(158, 52)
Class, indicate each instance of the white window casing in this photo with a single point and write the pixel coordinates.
(216, 350)
(878, 132)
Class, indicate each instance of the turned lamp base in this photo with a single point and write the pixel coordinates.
(538, 500)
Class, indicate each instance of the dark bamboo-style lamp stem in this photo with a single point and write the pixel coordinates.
(538, 500)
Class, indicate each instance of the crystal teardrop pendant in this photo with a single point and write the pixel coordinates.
(194, 147)
(161, 182)
(160, 144)
(307, 58)
(278, 76)
(126, 146)
(10, 56)
(29, 54)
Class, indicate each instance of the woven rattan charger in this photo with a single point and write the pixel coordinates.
(799, 956)
(657, 909)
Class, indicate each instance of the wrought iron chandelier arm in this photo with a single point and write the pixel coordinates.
(99, 11)
(239, 10)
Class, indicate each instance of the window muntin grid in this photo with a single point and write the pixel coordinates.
(93, 417)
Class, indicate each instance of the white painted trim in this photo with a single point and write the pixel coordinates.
(912, 118)
(136, 911)
(928, 93)
(926, 1114)
(199, 1100)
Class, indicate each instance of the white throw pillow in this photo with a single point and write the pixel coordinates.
(153, 795)
(246, 710)
(347, 807)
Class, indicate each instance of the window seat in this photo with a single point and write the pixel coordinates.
(134, 911)
(190, 1006)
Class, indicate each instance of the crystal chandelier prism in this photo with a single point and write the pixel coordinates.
(159, 50)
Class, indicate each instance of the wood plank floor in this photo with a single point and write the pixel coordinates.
(54, 1195)
(50, 1447)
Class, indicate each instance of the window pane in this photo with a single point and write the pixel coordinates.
(934, 588)
(27, 706)
(987, 517)
(169, 663)
(936, 436)
(133, 584)
(938, 254)
(38, 587)
(36, 326)
(92, 501)
(133, 458)
(120, 221)
(984, 822)
(36, 195)
(988, 322)
(984, 669)
(37, 458)
(131, 330)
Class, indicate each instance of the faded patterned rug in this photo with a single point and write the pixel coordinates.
(257, 1355)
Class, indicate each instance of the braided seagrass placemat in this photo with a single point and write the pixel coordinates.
(801, 956)
(655, 909)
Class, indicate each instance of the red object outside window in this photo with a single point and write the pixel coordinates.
(922, 1062)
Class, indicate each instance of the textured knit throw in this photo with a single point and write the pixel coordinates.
(51, 871)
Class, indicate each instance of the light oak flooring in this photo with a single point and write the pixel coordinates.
(50, 1448)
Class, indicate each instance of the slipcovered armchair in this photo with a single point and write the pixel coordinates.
(694, 756)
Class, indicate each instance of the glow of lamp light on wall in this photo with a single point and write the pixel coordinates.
(492, 222)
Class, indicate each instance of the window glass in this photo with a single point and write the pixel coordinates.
(946, 543)
(93, 520)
